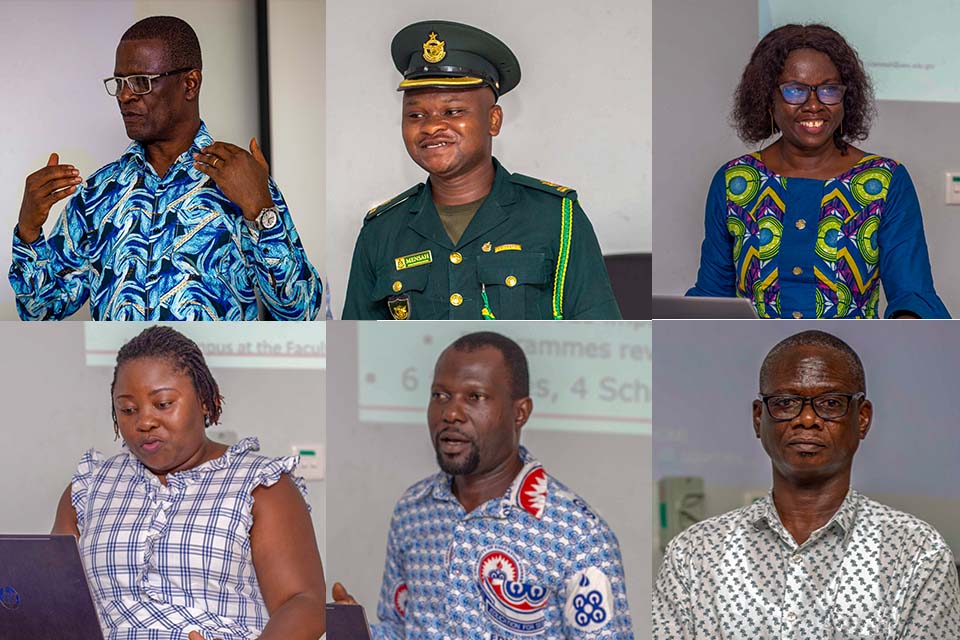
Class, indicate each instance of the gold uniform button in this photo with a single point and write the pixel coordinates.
(797, 271)
(397, 285)
(456, 258)
(511, 281)
(456, 299)
(801, 224)
(797, 315)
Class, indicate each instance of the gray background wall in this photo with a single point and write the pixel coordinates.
(699, 51)
(702, 412)
(374, 464)
(580, 116)
(56, 407)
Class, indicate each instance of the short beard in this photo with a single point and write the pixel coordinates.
(463, 469)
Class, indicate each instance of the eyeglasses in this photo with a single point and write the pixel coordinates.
(829, 406)
(140, 84)
(798, 93)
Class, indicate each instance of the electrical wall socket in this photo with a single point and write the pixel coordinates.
(312, 461)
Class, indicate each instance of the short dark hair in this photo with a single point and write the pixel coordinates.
(183, 353)
(183, 46)
(753, 100)
(513, 356)
(815, 338)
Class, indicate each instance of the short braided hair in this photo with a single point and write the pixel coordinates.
(185, 356)
(182, 44)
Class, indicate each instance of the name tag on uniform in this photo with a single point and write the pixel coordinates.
(508, 247)
(413, 260)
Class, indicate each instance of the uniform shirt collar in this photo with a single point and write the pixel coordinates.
(763, 515)
(136, 155)
(527, 492)
(501, 177)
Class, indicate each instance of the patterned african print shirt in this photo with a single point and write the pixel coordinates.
(806, 248)
(871, 572)
(164, 560)
(537, 563)
(142, 247)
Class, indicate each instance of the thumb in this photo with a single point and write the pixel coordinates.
(258, 154)
(195, 635)
(54, 160)
(339, 593)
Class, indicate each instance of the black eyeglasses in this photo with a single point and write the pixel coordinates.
(829, 406)
(140, 84)
(797, 93)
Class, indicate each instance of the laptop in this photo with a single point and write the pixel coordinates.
(697, 308)
(43, 590)
(347, 622)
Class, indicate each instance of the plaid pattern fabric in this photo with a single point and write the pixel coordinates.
(163, 560)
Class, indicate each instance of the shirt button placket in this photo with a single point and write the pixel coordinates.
(796, 579)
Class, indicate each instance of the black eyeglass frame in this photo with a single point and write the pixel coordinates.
(813, 89)
(765, 399)
(149, 76)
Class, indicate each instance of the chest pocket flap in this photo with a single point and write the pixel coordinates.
(393, 283)
(511, 270)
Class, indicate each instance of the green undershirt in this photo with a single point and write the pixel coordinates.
(456, 218)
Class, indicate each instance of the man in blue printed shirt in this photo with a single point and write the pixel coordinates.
(493, 548)
(179, 228)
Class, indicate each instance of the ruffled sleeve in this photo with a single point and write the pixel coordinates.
(80, 483)
(269, 474)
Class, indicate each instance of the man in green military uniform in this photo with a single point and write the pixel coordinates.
(475, 241)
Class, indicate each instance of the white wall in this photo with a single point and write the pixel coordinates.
(56, 407)
(580, 115)
(374, 463)
(297, 120)
(700, 50)
(55, 55)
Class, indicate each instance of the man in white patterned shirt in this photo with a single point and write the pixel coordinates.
(815, 560)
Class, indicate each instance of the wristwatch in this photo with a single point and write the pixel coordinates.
(267, 219)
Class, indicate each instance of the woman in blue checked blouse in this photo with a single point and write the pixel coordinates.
(811, 226)
(182, 536)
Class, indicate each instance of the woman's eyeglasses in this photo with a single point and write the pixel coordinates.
(797, 93)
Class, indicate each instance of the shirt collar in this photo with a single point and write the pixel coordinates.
(500, 177)
(527, 492)
(762, 514)
(135, 154)
(187, 475)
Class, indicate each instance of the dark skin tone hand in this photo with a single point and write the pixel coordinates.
(812, 458)
(449, 133)
(242, 176)
(44, 188)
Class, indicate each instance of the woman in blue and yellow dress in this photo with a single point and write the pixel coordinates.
(810, 226)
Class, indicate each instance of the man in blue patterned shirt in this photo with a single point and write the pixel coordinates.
(179, 228)
(493, 548)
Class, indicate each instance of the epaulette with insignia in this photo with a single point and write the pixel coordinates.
(392, 202)
(543, 185)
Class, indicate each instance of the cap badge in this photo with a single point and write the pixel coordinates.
(433, 50)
